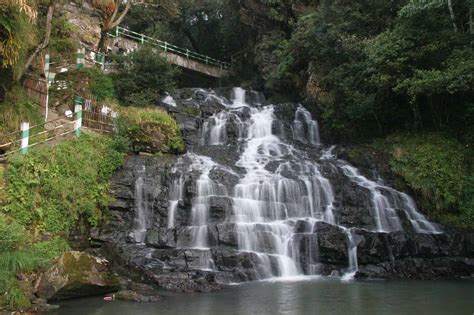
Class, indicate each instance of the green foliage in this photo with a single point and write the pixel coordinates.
(30, 258)
(150, 130)
(15, 109)
(14, 297)
(432, 165)
(373, 68)
(100, 84)
(12, 234)
(61, 43)
(50, 191)
(16, 38)
(142, 76)
(210, 27)
(437, 168)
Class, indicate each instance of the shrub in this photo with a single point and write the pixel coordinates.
(439, 169)
(142, 76)
(432, 165)
(52, 188)
(100, 84)
(12, 234)
(62, 42)
(15, 109)
(150, 130)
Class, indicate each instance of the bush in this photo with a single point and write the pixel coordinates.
(31, 258)
(52, 188)
(150, 130)
(12, 235)
(437, 168)
(433, 165)
(142, 76)
(62, 44)
(100, 84)
(15, 109)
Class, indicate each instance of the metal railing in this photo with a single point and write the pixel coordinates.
(167, 47)
(87, 117)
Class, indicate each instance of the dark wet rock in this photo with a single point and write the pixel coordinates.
(171, 260)
(220, 207)
(332, 243)
(192, 281)
(133, 296)
(419, 268)
(228, 234)
(161, 238)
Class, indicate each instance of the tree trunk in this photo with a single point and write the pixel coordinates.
(42, 45)
(451, 13)
(102, 46)
(110, 23)
(471, 26)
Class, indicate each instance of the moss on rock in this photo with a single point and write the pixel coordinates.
(76, 274)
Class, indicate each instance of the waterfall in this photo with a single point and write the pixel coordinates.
(198, 230)
(140, 223)
(386, 219)
(280, 192)
(176, 195)
(352, 255)
(385, 201)
(305, 129)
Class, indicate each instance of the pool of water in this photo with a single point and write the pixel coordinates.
(311, 296)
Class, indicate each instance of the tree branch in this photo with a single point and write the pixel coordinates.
(42, 45)
(117, 6)
(122, 15)
(451, 13)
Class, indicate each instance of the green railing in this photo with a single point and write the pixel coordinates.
(165, 46)
(99, 58)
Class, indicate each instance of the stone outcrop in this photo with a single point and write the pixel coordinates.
(165, 259)
(76, 274)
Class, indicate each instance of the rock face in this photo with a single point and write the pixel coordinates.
(76, 274)
(258, 197)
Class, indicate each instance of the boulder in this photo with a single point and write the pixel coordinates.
(332, 243)
(76, 274)
(133, 296)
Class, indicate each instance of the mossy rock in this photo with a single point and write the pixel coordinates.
(76, 274)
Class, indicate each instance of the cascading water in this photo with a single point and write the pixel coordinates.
(198, 239)
(281, 193)
(141, 220)
(385, 201)
(305, 129)
(176, 195)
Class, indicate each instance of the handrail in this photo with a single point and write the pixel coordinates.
(120, 31)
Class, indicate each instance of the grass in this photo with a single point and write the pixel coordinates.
(49, 192)
(52, 188)
(17, 107)
(437, 168)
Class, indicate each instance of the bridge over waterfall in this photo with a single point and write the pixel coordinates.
(175, 55)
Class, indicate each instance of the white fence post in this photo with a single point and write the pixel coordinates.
(25, 137)
(78, 116)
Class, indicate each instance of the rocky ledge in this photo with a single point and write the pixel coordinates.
(157, 252)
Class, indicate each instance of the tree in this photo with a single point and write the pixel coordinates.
(13, 13)
(43, 44)
(112, 13)
(142, 77)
